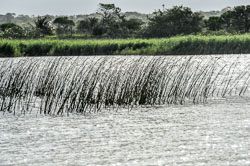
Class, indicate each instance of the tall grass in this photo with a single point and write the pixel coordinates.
(59, 85)
(185, 45)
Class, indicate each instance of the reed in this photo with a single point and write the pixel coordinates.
(183, 45)
(59, 85)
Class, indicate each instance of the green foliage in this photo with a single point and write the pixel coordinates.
(109, 14)
(109, 22)
(111, 19)
(5, 27)
(33, 33)
(66, 36)
(92, 26)
(216, 33)
(43, 25)
(131, 27)
(236, 20)
(171, 22)
(241, 18)
(213, 23)
(63, 21)
(12, 31)
(133, 24)
(98, 31)
(7, 50)
(64, 25)
(87, 25)
(1, 34)
(185, 45)
(226, 20)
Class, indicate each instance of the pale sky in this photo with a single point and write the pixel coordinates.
(72, 7)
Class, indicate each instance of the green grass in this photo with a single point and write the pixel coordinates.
(184, 45)
(68, 36)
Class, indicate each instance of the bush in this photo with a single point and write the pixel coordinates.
(12, 31)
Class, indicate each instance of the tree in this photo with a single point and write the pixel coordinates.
(87, 25)
(91, 26)
(226, 20)
(111, 19)
(43, 25)
(109, 14)
(64, 25)
(241, 18)
(6, 26)
(175, 21)
(114, 24)
(213, 23)
(133, 24)
(10, 17)
(12, 31)
(98, 30)
(237, 19)
(130, 27)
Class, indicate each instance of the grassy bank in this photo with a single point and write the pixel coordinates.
(185, 45)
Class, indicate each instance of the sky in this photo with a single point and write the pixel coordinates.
(74, 7)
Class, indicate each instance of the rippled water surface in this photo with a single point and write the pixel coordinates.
(217, 133)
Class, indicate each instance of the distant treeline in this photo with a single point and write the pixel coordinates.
(110, 22)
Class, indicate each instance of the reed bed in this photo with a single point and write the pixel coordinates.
(183, 45)
(64, 85)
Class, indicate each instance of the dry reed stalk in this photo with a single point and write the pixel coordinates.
(87, 84)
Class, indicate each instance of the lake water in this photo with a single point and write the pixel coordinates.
(214, 133)
(217, 133)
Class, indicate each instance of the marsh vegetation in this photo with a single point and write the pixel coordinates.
(186, 45)
(88, 84)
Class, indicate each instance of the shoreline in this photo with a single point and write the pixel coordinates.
(182, 45)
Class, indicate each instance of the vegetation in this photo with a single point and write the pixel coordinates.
(11, 31)
(236, 20)
(109, 22)
(24, 20)
(87, 84)
(60, 85)
(64, 25)
(176, 21)
(183, 45)
(43, 25)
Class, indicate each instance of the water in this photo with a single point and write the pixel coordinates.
(216, 132)
(209, 134)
